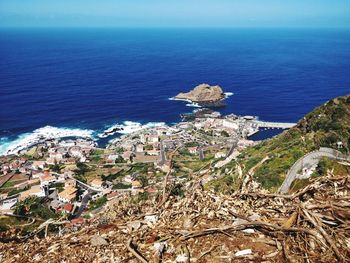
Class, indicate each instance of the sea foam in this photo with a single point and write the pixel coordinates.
(128, 127)
(228, 94)
(39, 135)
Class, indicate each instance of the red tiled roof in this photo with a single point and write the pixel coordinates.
(68, 207)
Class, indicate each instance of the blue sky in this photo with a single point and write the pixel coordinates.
(176, 13)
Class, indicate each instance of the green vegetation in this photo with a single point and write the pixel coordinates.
(97, 155)
(148, 147)
(121, 186)
(81, 172)
(119, 150)
(143, 180)
(225, 134)
(97, 203)
(33, 207)
(223, 185)
(324, 127)
(113, 176)
(56, 168)
(17, 191)
(177, 190)
(8, 184)
(58, 186)
(192, 144)
(9, 222)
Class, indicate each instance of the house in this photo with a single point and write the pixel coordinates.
(68, 208)
(38, 165)
(57, 157)
(161, 131)
(151, 190)
(47, 179)
(153, 138)
(112, 195)
(340, 145)
(112, 157)
(139, 148)
(143, 138)
(230, 124)
(193, 150)
(51, 161)
(76, 151)
(8, 206)
(127, 155)
(67, 195)
(96, 183)
(136, 184)
(153, 152)
(35, 190)
(220, 155)
(36, 174)
(70, 183)
(14, 165)
(128, 179)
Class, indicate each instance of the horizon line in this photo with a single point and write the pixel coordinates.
(167, 27)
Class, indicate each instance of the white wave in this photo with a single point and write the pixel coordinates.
(196, 105)
(228, 94)
(174, 98)
(129, 127)
(39, 135)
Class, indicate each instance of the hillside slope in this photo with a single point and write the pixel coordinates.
(326, 126)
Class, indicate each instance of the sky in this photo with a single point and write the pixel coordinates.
(175, 13)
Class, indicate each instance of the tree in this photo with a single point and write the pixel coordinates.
(144, 180)
(32, 206)
(225, 134)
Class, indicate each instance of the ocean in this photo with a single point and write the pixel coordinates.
(66, 82)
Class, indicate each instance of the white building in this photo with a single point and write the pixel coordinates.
(230, 124)
(220, 155)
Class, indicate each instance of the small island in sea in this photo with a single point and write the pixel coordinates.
(204, 95)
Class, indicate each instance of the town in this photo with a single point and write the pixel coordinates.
(76, 178)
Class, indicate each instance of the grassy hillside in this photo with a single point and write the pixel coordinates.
(325, 126)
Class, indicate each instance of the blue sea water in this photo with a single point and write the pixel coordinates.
(94, 78)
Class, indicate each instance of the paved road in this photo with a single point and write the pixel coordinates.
(201, 154)
(162, 154)
(309, 160)
(84, 185)
(233, 147)
(84, 203)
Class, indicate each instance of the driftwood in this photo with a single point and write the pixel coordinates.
(129, 245)
(311, 225)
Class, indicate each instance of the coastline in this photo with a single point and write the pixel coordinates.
(114, 132)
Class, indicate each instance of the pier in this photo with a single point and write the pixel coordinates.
(273, 125)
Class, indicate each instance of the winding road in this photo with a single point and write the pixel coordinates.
(309, 160)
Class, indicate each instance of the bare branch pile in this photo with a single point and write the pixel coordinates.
(311, 225)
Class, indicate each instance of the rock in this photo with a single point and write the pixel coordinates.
(211, 214)
(187, 222)
(249, 231)
(204, 94)
(97, 241)
(134, 225)
(243, 252)
(181, 258)
(151, 218)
